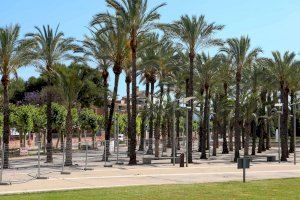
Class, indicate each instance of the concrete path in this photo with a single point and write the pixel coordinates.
(154, 175)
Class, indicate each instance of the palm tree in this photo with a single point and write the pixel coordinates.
(249, 106)
(241, 56)
(139, 20)
(50, 48)
(224, 77)
(205, 71)
(193, 32)
(149, 70)
(93, 49)
(70, 83)
(14, 53)
(113, 37)
(281, 67)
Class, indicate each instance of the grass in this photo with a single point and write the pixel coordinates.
(267, 189)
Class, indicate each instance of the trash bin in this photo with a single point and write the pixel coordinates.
(182, 160)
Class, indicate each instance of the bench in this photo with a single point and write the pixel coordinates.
(148, 160)
(270, 158)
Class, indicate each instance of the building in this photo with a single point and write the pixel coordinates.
(121, 104)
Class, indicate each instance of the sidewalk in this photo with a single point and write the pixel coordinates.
(151, 175)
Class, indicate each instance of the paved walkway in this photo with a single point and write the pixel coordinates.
(23, 171)
(141, 175)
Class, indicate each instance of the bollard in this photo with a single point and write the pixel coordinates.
(63, 161)
(181, 164)
(39, 163)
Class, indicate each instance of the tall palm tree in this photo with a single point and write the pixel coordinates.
(281, 67)
(193, 32)
(139, 20)
(50, 48)
(149, 70)
(241, 56)
(94, 51)
(70, 82)
(14, 53)
(224, 78)
(206, 73)
(113, 37)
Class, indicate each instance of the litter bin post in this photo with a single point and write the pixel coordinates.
(243, 163)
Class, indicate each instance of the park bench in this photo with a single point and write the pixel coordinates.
(148, 160)
(270, 158)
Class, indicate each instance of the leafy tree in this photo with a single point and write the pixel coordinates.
(22, 117)
(58, 121)
(89, 122)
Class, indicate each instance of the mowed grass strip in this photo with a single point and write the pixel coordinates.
(266, 189)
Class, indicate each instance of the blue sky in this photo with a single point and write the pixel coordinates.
(271, 24)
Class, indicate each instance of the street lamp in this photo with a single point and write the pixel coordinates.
(186, 101)
(279, 112)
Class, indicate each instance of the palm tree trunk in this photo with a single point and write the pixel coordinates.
(150, 147)
(105, 75)
(247, 138)
(158, 122)
(205, 124)
(215, 126)
(292, 146)
(61, 140)
(284, 124)
(230, 137)
(94, 140)
(268, 141)
(133, 45)
(253, 131)
(164, 133)
(128, 81)
(117, 71)
(144, 117)
(69, 129)
(237, 128)
(262, 123)
(178, 125)
(49, 147)
(223, 130)
(6, 128)
(79, 137)
(190, 112)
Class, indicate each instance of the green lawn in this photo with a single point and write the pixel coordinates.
(269, 189)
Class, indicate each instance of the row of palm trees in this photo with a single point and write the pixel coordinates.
(236, 81)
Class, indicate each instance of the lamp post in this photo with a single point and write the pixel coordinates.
(295, 129)
(294, 118)
(186, 101)
(279, 112)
